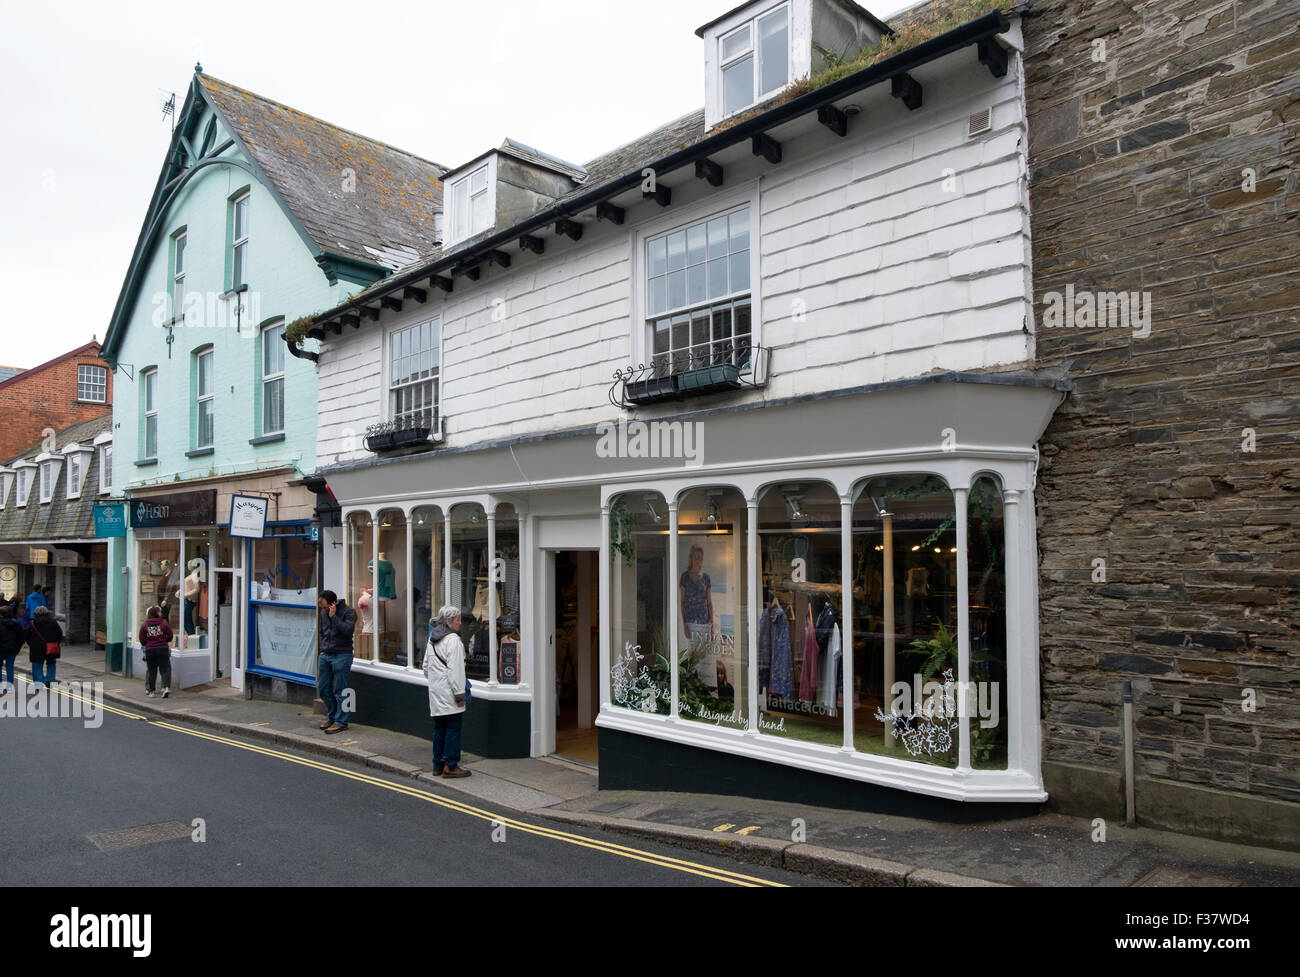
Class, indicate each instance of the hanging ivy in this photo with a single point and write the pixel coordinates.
(621, 524)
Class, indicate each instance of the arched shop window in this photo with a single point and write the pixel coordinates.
(639, 593)
(986, 568)
(800, 624)
(469, 570)
(427, 578)
(505, 575)
(361, 594)
(905, 619)
(711, 591)
(390, 585)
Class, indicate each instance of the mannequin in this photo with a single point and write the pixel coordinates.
(366, 608)
(385, 578)
(193, 587)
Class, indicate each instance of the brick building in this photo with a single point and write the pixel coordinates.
(1162, 148)
(76, 386)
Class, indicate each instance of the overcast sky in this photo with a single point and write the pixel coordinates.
(82, 85)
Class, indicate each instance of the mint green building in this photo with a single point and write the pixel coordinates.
(261, 215)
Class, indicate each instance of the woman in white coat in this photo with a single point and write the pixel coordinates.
(444, 667)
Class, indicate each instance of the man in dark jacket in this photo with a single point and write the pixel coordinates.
(11, 642)
(334, 668)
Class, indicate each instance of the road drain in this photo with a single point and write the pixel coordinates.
(143, 834)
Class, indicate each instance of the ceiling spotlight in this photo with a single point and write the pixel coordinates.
(712, 514)
(880, 509)
(793, 506)
(953, 550)
(915, 548)
(474, 516)
(653, 512)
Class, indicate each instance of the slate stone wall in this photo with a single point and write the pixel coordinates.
(1164, 164)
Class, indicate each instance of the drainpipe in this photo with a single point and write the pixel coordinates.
(1130, 795)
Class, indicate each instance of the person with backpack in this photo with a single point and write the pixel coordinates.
(11, 642)
(44, 638)
(156, 639)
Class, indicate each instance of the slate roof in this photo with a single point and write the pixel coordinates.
(61, 517)
(387, 219)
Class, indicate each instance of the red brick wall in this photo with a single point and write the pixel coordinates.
(46, 397)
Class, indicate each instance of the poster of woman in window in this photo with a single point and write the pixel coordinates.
(705, 607)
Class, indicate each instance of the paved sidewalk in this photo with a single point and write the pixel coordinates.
(850, 846)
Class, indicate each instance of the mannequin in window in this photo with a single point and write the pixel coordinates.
(366, 608)
(385, 578)
(193, 588)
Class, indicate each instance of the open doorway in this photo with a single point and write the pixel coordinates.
(577, 652)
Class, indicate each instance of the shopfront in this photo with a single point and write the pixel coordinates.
(847, 585)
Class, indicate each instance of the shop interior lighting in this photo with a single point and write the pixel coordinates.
(793, 505)
(654, 513)
(712, 514)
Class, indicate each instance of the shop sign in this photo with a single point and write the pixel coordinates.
(247, 516)
(8, 580)
(110, 519)
(35, 555)
(181, 509)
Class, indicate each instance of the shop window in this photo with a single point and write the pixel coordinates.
(801, 622)
(389, 587)
(361, 590)
(505, 575)
(159, 580)
(284, 603)
(639, 595)
(986, 563)
(196, 614)
(469, 584)
(427, 577)
(905, 619)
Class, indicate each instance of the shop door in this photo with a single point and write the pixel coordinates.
(574, 650)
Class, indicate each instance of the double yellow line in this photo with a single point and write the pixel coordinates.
(605, 847)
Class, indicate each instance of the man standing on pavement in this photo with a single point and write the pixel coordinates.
(335, 663)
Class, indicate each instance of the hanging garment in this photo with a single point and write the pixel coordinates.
(480, 602)
(511, 595)
(831, 674)
(808, 673)
(385, 580)
(775, 670)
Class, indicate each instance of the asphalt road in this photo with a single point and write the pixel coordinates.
(270, 816)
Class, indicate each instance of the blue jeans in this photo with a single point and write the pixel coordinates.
(446, 741)
(7, 667)
(334, 672)
(44, 672)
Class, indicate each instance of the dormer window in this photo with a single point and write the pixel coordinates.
(470, 202)
(23, 475)
(78, 456)
(6, 481)
(48, 475)
(754, 60)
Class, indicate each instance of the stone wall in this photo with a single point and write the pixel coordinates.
(1163, 138)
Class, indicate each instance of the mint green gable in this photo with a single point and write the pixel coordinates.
(284, 281)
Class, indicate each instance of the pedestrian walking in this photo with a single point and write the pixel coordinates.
(334, 665)
(444, 667)
(11, 642)
(156, 638)
(44, 637)
(34, 600)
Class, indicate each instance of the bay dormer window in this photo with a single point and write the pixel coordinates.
(754, 60)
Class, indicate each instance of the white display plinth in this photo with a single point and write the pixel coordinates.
(188, 667)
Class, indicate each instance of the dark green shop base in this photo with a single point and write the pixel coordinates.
(113, 656)
(631, 762)
(494, 729)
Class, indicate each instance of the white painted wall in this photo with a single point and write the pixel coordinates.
(898, 275)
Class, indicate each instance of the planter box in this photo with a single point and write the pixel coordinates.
(710, 378)
(380, 442)
(409, 436)
(651, 391)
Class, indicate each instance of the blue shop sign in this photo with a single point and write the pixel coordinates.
(110, 519)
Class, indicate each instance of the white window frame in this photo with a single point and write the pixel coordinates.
(47, 476)
(264, 379)
(104, 446)
(149, 411)
(201, 398)
(753, 51)
(488, 169)
(712, 206)
(6, 482)
(24, 471)
(180, 245)
(238, 270)
(80, 456)
(390, 389)
(92, 384)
